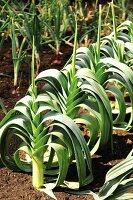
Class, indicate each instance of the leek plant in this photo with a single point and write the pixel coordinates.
(50, 138)
(109, 70)
(119, 47)
(50, 142)
(117, 181)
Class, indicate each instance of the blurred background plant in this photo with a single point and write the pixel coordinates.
(54, 23)
(57, 27)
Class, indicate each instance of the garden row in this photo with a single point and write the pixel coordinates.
(90, 90)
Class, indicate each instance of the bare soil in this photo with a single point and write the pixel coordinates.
(18, 186)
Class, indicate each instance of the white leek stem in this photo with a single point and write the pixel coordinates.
(37, 172)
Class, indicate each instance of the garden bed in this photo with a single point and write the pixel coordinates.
(14, 185)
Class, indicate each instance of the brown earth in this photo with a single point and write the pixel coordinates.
(18, 186)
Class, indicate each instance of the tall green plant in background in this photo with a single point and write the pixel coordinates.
(32, 26)
(57, 27)
(18, 52)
